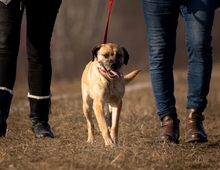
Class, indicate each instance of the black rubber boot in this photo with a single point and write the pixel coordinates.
(5, 103)
(39, 116)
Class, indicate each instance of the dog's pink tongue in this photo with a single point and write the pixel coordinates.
(116, 73)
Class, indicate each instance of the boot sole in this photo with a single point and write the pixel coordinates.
(198, 140)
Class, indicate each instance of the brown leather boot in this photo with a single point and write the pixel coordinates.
(194, 128)
(170, 125)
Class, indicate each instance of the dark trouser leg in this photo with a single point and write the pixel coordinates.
(161, 18)
(10, 23)
(198, 41)
(5, 102)
(39, 32)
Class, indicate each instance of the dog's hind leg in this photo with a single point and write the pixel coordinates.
(87, 110)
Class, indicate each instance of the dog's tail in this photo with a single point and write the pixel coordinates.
(130, 76)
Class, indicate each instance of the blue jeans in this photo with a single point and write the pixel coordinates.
(40, 17)
(161, 19)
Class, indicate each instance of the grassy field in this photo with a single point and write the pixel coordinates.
(139, 126)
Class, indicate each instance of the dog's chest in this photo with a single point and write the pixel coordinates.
(114, 92)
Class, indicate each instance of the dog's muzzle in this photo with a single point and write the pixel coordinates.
(112, 73)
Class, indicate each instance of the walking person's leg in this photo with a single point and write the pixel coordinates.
(10, 24)
(198, 16)
(161, 18)
(40, 23)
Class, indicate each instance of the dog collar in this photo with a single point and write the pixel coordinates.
(111, 74)
(102, 70)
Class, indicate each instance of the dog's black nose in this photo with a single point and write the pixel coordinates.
(113, 65)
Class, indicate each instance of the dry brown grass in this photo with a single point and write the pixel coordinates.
(139, 126)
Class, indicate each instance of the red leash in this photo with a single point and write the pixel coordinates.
(106, 27)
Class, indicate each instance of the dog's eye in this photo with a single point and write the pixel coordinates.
(105, 55)
(118, 55)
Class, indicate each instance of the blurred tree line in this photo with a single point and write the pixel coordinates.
(80, 27)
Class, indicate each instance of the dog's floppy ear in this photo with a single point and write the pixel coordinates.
(94, 51)
(126, 56)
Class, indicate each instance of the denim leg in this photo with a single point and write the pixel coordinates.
(161, 19)
(40, 23)
(10, 24)
(198, 16)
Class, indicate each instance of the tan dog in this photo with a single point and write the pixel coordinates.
(103, 86)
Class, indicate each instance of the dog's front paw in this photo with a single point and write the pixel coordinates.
(115, 142)
(109, 142)
(91, 141)
(114, 138)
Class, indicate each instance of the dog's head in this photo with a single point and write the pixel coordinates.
(110, 58)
